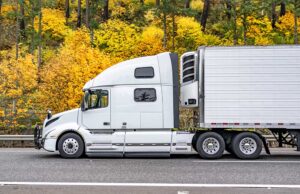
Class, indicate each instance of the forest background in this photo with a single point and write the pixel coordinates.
(50, 48)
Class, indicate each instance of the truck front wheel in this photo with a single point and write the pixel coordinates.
(70, 145)
(246, 145)
(210, 145)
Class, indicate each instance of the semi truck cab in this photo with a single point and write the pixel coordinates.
(130, 109)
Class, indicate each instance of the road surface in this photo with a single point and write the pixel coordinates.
(36, 171)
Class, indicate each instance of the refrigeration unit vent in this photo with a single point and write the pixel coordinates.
(188, 67)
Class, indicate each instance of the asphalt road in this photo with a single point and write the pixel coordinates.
(20, 169)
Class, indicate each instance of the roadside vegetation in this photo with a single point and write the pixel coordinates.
(50, 48)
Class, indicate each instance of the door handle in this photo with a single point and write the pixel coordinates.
(106, 123)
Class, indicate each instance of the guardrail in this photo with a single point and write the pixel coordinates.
(16, 137)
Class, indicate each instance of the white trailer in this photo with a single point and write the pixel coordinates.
(132, 108)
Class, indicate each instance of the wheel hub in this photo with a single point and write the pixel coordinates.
(248, 145)
(70, 146)
(211, 145)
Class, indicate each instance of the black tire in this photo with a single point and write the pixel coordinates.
(252, 151)
(74, 140)
(214, 153)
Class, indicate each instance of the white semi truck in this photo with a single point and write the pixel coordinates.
(132, 108)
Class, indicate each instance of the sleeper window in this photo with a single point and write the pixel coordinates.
(145, 95)
(144, 72)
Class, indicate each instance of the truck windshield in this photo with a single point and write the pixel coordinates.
(96, 99)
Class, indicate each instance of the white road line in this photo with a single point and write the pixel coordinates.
(150, 185)
(248, 161)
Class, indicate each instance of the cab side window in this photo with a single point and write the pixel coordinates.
(145, 95)
(98, 99)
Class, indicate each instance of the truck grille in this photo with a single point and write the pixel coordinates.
(188, 67)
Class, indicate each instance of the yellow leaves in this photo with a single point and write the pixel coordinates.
(53, 24)
(118, 38)
(17, 77)
(150, 42)
(66, 73)
(260, 30)
(189, 35)
(197, 5)
(286, 24)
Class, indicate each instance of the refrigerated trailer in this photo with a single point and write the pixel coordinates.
(132, 108)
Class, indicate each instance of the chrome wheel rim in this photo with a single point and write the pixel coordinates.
(70, 146)
(211, 145)
(248, 145)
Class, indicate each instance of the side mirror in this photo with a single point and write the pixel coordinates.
(49, 114)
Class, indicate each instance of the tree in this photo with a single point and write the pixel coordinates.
(79, 14)
(106, 10)
(245, 9)
(205, 13)
(0, 6)
(228, 4)
(22, 18)
(87, 13)
(187, 4)
(273, 13)
(157, 3)
(67, 7)
(282, 8)
(40, 33)
(296, 11)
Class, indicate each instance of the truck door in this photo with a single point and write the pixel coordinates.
(97, 114)
(97, 119)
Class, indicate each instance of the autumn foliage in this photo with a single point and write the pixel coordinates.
(71, 54)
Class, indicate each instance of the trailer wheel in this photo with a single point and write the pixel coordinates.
(210, 145)
(70, 145)
(246, 145)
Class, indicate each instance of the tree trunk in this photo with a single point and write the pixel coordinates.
(79, 14)
(273, 14)
(67, 7)
(87, 13)
(187, 4)
(235, 37)
(0, 6)
(40, 35)
(295, 21)
(32, 44)
(165, 29)
(204, 16)
(22, 20)
(173, 23)
(157, 2)
(228, 9)
(282, 9)
(244, 21)
(17, 31)
(106, 10)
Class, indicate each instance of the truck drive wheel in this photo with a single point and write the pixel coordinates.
(246, 145)
(70, 145)
(210, 145)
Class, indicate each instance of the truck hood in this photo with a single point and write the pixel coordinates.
(65, 117)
